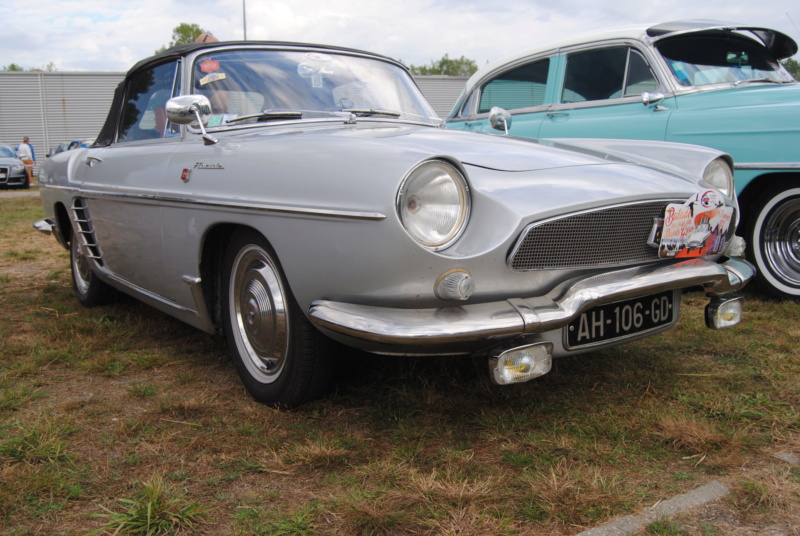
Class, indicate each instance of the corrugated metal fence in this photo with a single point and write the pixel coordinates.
(53, 107)
(441, 91)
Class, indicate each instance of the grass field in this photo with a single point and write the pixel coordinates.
(111, 414)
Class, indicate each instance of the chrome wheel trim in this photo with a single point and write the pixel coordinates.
(778, 241)
(258, 314)
(81, 269)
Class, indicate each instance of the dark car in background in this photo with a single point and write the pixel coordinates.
(12, 169)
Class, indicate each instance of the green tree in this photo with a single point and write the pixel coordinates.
(793, 66)
(183, 33)
(13, 67)
(447, 66)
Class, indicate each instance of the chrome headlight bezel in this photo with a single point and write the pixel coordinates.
(718, 174)
(433, 204)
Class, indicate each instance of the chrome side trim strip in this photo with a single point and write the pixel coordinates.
(522, 316)
(230, 204)
(342, 214)
(197, 318)
(768, 166)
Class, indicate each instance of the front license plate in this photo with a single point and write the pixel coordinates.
(621, 319)
(2, 175)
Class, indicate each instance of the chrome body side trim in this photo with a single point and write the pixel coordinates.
(231, 204)
(385, 328)
(198, 318)
(768, 166)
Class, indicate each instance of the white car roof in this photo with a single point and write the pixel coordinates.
(637, 32)
(780, 45)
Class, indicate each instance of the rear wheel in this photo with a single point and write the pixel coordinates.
(89, 290)
(774, 241)
(281, 358)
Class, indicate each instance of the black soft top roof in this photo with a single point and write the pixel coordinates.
(107, 133)
(780, 45)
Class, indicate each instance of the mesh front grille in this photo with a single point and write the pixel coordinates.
(615, 236)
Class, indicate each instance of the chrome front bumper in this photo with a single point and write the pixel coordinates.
(470, 327)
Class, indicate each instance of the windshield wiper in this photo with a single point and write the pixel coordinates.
(369, 112)
(756, 80)
(268, 115)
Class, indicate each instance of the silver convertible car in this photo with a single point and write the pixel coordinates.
(298, 197)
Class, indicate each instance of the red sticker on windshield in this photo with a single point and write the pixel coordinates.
(209, 66)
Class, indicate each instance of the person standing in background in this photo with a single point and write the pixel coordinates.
(25, 153)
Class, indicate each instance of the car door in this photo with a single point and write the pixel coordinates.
(599, 95)
(120, 184)
(523, 90)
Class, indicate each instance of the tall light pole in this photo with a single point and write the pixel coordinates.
(244, 19)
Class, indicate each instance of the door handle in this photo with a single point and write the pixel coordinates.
(92, 160)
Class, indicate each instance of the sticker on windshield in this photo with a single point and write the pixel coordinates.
(213, 77)
(209, 66)
(695, 228)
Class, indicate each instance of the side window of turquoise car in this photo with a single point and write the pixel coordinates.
(523, 87)
(606, 73)
(601, 97)
(522, 90)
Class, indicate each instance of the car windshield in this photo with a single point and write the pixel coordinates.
(280, 84)
(6, 152)
(701, 60)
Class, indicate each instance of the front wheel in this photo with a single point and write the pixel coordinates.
(774, 241)
(89, 290)
(281, 358)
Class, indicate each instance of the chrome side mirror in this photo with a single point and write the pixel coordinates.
(190, 109)
(499, 119)
(651, 98)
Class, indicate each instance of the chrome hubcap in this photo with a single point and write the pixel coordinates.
(80, 267)
(781, 239)
(259, 311)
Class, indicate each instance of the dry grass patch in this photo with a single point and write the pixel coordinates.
(95, 402)
(774, 489)
(577, 494)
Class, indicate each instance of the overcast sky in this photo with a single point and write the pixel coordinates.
(112, 35)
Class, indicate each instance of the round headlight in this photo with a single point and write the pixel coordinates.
(718, 174)
(433, 204)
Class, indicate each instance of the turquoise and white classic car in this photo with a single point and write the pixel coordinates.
(700, 82)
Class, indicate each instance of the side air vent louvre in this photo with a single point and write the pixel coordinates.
(85, 229)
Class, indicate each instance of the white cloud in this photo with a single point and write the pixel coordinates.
(102, 35)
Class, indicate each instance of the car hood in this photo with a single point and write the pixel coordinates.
(499, 152)
(7, 161)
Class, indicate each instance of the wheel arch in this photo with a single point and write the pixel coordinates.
(212, 257)
(751, 194)
(63, 230)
